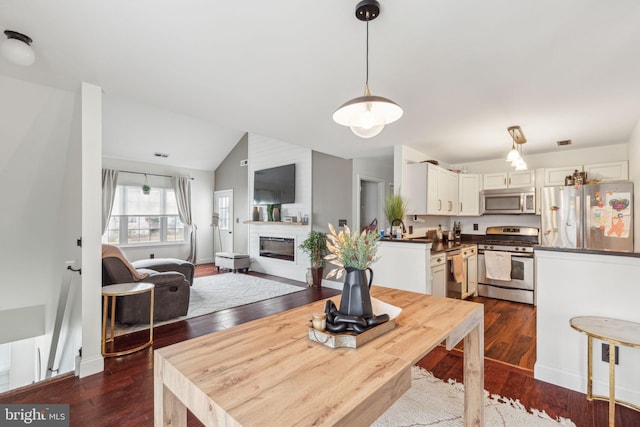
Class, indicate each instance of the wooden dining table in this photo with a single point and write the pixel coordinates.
(268, 372)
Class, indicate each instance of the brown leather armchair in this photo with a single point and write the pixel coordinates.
(171, 293)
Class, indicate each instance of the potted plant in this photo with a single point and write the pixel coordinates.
(394, 208)
(316, 246)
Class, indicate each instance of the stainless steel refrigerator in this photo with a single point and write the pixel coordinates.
(592, 216)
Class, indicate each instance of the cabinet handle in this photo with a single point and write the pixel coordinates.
(450, 204)
(505, 180)
(460, 206)
(439, 204)
(509, 180)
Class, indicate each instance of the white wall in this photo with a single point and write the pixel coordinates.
(35, 130)
(201, 204)
(574, 284)
(265, 153)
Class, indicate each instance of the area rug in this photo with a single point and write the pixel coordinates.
(432, 402)
(220, 292)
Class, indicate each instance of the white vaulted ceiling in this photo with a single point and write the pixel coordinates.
(462, 70)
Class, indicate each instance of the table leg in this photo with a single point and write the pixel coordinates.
(113, 319)
(589, 368)
(612, 384)
(168, 409)
(105, 305)
(474, 376)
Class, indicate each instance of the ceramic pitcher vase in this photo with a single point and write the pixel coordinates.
(356, 300)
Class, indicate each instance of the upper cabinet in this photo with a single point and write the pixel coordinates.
(613, 171)
(469, 194)
(510, 179)
(430, 190)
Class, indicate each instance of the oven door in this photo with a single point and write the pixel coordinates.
(521, 273)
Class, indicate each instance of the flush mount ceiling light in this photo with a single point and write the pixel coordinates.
(17, 48)
(367, 115)
(515, 154)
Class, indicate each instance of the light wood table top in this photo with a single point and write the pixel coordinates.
(267, 372)
(622, 332)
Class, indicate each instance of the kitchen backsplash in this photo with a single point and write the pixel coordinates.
(431, 222)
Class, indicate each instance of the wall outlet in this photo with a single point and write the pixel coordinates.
(605, 353)
(152, 256)
(342, 222)
(475, 227)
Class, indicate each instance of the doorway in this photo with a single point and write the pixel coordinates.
(223, 221)
(370, 201)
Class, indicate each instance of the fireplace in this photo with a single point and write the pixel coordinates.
(277, 247)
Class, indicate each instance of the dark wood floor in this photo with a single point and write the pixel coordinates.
(122, 395)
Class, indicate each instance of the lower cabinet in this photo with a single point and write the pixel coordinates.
(439, 275)
(471, 257)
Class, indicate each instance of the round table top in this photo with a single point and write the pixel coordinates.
(121, 289)
(619, 331)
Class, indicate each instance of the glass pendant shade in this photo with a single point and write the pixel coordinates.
(513, 155)
(367, 115)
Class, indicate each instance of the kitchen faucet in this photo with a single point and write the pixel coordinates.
(404, 230)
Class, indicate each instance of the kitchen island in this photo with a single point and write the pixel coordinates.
(577, 282)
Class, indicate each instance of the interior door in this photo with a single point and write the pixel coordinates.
(223, 230)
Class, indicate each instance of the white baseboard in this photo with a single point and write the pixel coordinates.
(91, 366)
(578, 383)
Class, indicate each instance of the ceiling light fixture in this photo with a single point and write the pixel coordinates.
(367, 115)
(515, 154)
(17, 48)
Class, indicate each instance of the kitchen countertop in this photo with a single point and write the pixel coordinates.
(436, 246)
(588, 251)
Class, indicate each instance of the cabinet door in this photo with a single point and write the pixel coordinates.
(555, 176)
(438, 276)
(469, 195)
(434, 202)
(522, 179)
(415, 189)
(494, 180)
(614, 171)
(472, 274)
(452, 193)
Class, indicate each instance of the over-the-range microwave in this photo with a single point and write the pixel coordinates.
(508, 201)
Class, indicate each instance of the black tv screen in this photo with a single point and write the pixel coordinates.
(275, 185)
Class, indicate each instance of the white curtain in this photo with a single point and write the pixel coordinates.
(182, 188)
(109, 183)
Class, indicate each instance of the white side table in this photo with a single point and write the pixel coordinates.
(119, 290)
(615, 332)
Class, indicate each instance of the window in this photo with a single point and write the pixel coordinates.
(139, 218)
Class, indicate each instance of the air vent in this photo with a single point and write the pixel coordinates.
(563, 143)
(162, 155)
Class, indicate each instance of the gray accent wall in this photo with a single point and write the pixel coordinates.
(331, 191)
(231, 176)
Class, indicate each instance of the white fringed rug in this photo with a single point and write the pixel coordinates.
(220, 292)
(432, 402)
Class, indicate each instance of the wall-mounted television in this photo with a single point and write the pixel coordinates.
(275, 185)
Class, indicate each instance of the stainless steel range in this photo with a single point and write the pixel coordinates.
(518, 242)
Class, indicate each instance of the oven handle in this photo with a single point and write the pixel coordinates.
(513, 254)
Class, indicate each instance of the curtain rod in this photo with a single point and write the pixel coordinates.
(152, 174)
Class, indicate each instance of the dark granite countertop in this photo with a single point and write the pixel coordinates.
(438, 247)
(588, 251)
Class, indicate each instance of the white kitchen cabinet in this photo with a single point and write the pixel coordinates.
(439, 274)
(556, 176)
(469, 195)
(510, 179)
(403, 265)
(430, 190)
(612, 171)
(470, 254)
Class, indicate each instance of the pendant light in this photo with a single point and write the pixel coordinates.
(17, 48)
(367, 115)
(515, 154)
